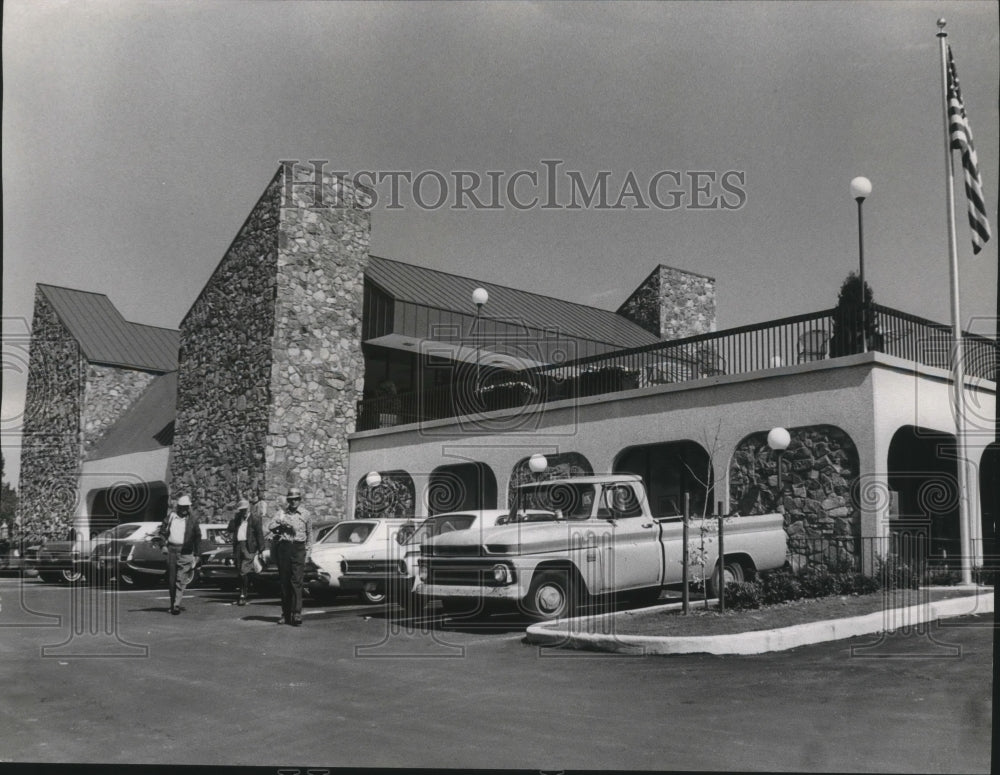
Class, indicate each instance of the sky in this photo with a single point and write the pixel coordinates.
(138, 135)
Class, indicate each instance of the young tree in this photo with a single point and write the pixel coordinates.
(8, 502)
(847, 317)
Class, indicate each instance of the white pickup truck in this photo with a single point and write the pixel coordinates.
(600, 540)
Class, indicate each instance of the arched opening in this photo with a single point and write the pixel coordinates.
(393, 496)
(989, 484)
(669, 470)
(460, 487)
(561, 466)
(126, 502)
(923, 473)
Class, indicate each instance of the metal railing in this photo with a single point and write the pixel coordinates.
(773, 344)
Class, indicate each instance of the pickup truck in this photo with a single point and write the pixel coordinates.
(600, 540)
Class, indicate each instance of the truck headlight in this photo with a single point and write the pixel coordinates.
(501, 574)
(422, 571)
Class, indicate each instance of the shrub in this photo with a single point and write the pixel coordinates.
(817, 581)
(894, 574)
(780, 586)
(741, 595)
(942, 575)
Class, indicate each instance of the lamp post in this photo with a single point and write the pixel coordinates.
(861, 187)
(374, 480)
(778, 440)
(479, 298)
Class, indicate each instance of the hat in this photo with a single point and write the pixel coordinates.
(243, 505)
(294, 492)
(184, 500)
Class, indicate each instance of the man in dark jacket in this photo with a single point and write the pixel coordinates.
(182, 535)
(248, 541)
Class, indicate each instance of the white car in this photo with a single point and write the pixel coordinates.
(393, 568)
(355, 540)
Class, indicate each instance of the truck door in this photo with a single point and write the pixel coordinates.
(635, 555)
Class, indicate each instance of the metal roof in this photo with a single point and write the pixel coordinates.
(106, 337)
(144, 426)
(440, 290)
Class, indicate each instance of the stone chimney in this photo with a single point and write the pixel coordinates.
(672, 303)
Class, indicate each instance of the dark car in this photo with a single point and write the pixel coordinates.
(135, 560)
(217, 566)
(18, 557)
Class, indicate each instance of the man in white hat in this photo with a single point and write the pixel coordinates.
(182, 535)
(248, 541)
(291, 531)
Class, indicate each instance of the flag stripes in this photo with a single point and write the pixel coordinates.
(961, 140)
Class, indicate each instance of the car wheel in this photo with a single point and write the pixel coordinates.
(373, 594)
(733, 574)
(72, 576)
(554, 595)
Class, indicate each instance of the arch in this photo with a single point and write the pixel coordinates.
(393, 497)
(989, 496)
(813, 489)
(670, 469)
(461, 486)
(923, 472)
(562, 465)
(130, 502)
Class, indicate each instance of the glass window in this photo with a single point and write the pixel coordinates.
(568, 499)
(349, 532)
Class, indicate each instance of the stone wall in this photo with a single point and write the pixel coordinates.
(224, 368)
(317, 374)
(672, 303)
(51, 433)
(271, 367)
(109, 392)
(818, 471)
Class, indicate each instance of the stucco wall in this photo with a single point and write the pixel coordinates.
(51, 437)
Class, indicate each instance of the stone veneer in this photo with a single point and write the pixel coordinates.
(819, 469)
(51, 434)
(109, 391)
(271, 367)
(672, 303)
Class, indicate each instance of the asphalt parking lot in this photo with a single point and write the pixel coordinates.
(97, 676)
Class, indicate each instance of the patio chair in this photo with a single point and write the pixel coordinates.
(813, 345)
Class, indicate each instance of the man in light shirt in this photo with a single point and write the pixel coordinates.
(291, 531)
(248, 541)
(182, 534)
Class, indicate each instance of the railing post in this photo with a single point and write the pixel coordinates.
(685, 594)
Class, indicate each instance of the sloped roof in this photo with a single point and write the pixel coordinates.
(441, 290)
(146, 425)
(106, 337)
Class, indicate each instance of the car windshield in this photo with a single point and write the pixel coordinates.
(216, 535)
(445, 523)
(569, 500)
(349, 532)
(122, 531)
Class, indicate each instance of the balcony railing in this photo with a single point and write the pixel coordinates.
(799, 339)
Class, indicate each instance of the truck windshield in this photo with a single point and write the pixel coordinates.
(571, 500)
(447, 523)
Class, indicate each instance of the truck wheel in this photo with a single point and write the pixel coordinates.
(373, 594)
(733, 574)
(554, 595)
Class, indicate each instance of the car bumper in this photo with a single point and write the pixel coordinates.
(508, 594)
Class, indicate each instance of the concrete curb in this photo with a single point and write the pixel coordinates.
(579, 633)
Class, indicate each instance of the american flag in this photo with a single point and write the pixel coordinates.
(961, 140)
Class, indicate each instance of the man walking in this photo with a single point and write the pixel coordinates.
(182, 534)
(248, 540)
(292, 533)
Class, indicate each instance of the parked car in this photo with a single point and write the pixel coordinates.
(136, 560)
(392, 566)
(352, 538)
(18, 557)
(58, 561)
(217, 566)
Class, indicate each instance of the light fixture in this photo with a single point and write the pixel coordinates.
(373, 479)
(778, 439)
(479, 298)
(861, 187)
(537, 463)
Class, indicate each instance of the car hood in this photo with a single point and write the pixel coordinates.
(520, 538)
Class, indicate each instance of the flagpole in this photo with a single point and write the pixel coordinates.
(958, 367)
